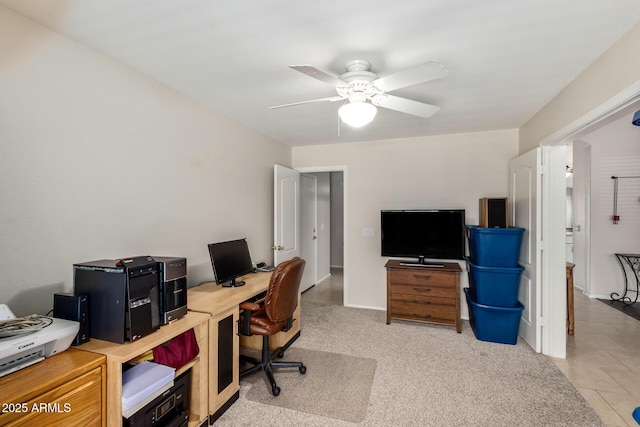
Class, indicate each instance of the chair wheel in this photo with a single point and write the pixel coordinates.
(275, 390)
(302, 369)
(281, 354)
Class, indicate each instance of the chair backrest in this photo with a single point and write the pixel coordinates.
(282, 295)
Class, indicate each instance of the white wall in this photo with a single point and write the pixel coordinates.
(614, 71)
(97, 161)
(615, 151)
(450, 171)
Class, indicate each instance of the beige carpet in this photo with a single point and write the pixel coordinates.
(335, 385)
(425, 375)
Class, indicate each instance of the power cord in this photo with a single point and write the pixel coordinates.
(23, 325)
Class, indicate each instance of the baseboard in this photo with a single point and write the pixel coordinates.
(605, 296)
(366, 307)
(323, 279)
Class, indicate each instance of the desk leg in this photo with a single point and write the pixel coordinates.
(114, 392)
(633, 262)
(224, 372)
(199, 406)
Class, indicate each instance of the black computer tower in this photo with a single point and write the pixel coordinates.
(173, 288)
(123, 297)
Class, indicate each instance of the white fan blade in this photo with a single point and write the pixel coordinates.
(404, 105)
(311, 71)
(330, 98)
(411, 76)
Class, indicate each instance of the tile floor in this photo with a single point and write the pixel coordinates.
(329, 291)
(603, 357)
(603, 360)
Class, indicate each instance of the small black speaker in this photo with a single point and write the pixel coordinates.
(73, 307)
(494, 212)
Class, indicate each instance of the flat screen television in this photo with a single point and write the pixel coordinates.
(230, 260)
(423, 234)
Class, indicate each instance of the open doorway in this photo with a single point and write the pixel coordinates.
(323, 215)
(597, 273)
(610, 148)
(624, 102)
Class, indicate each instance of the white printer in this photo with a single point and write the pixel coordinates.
(45, 337)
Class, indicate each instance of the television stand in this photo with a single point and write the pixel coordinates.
(423, 293)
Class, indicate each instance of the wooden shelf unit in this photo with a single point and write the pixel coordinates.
(68, 389)
(117, 354)
(424, 294)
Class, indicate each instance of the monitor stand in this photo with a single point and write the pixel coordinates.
(233, 283)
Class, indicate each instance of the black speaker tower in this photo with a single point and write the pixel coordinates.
(494, 212)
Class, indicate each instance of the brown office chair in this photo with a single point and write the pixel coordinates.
(272, 315)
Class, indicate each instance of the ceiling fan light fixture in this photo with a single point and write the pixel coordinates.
(357, 114)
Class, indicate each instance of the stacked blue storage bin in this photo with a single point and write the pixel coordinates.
(494, 280)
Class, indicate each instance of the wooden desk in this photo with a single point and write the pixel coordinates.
(71, 385)
(117, 354)
(224, 343)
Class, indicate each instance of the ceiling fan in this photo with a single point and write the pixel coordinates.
(364, 90)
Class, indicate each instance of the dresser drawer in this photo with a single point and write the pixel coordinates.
(440, 313)
(64, 390)
(74, 403)
(422, 291)
(417, 277)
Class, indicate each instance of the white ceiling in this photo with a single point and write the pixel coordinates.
(506, 58)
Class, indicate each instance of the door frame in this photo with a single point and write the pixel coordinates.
(554, 282)
(343, 169)
(554, 225)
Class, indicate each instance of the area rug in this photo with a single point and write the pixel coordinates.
(335, 385)
(632, 310)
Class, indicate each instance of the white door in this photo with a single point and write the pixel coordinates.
(286, 215)
(308, 230)
(525, 212)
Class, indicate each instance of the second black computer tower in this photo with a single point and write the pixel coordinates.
(76, 308)
(173, 288)
(123, 297)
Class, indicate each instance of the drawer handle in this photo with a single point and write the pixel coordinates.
(422, 302)
(419, 276)
(424, 316)
(422, 289)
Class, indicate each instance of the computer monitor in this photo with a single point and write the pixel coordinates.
(230, 260)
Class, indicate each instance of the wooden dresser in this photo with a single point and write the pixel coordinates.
(68, 389)
(425, 294)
